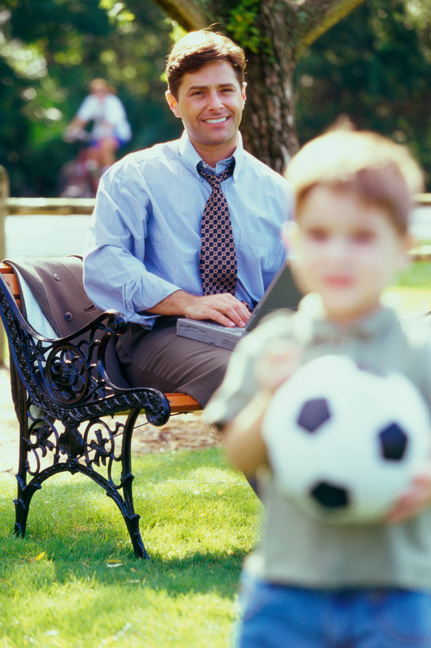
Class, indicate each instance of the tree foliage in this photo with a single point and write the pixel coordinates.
(49, 51)
(374, 69)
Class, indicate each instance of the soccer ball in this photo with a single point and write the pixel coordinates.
(343, 442)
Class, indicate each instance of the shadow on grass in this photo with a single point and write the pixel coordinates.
(198, 522)
(51, 562)
(199, 572)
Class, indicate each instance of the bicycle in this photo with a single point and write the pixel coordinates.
(79, 178)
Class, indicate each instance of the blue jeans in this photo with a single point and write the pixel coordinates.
(278, 616)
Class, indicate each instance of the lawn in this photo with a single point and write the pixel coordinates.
(74, 581)
(411, 292)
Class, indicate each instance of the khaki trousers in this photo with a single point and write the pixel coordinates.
(159, 358)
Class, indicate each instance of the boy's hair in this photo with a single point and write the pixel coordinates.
(379, 171)
(198, 48)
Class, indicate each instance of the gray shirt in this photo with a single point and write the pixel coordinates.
(297, 549)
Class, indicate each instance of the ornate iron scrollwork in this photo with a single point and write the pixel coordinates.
(67, 373)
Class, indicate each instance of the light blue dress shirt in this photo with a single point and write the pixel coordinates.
(144, 239)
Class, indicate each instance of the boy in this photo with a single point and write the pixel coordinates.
(311, 584)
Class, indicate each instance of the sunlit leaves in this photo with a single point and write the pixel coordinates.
(49, 51)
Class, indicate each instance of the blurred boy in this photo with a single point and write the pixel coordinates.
(311, 584)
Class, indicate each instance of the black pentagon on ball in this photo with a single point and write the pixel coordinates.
(330, 496)
(393, 442)
(314, 413)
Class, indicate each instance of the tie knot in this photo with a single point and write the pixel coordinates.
(216, 180)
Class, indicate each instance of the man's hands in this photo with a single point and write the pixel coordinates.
(224, 308)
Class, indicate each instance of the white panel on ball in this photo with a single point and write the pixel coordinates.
(343, 441)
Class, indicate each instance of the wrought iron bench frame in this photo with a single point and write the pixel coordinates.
(65, 404)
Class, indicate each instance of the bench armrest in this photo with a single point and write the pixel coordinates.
(68, 377)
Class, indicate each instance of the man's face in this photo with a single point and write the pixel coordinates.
(210, 104)
(347, 251)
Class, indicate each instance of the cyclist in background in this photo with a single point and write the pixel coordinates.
(110, 129)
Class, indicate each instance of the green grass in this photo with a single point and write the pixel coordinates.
(411, 292)
(74, 581)
(416, 275)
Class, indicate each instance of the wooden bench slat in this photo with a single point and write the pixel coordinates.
(182, 403)
(10, 279)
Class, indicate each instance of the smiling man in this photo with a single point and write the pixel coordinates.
(189, 228)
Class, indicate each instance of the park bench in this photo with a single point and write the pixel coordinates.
(68, 408)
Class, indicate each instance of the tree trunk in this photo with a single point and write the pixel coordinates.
(268, 127)
(190, 14)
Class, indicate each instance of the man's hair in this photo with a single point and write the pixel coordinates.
(198, 48)
(376, 169)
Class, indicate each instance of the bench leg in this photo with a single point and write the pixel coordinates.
(121, 493)
(131, 518)
(26, 492)
(22, 505)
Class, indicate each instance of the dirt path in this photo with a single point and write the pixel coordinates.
(8, 427)
(185, 431)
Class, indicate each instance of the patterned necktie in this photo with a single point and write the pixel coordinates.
(217, 264)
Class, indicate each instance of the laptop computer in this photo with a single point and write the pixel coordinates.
(282, 292)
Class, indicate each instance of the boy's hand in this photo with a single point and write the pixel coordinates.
(278, 364)
(414, 500)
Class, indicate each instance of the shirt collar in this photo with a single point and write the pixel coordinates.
(191, 158)
(311, 309)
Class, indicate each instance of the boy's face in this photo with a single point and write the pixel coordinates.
(347, 251)
(210, 103)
